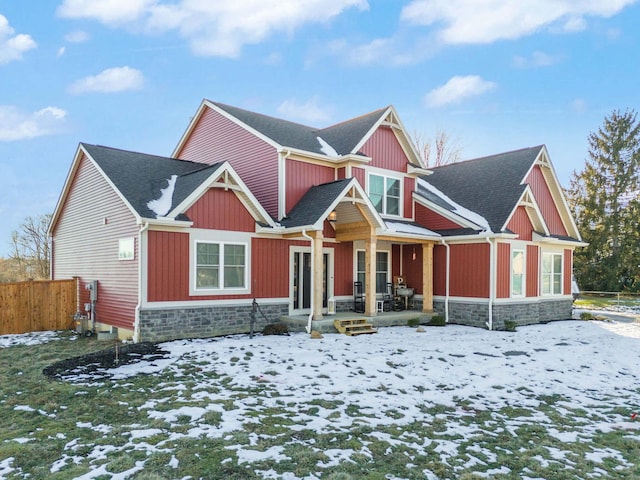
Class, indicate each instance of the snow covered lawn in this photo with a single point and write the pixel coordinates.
(451, 402)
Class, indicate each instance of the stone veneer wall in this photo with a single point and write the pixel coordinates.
(158, 325)
(477, 314)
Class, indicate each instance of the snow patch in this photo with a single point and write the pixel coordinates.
(161, 206)
(399, 227)
(457, 208)
(326, 148)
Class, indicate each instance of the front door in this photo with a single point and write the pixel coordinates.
(301, 280)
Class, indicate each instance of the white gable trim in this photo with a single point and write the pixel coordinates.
(390, 118)
(559, 199)
(528, 201)
(230, 181)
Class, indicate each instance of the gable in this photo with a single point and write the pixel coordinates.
(220, 209)
(546, 202)
(520, 224)
(385, 150)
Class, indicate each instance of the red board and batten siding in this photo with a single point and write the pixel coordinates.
(469, 275)
(503, 271)
(568, 270)
(520, 223)
(215, 139)
(301, 176)
(545, 201)
(432, 220)
(385, 150)
(409, 188)
(533, 267)
(85, 246)
(206, 212)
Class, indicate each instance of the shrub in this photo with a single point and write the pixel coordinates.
(275, 329)
(586, 316)
(437, 321)
(413, 322)
(510, 325)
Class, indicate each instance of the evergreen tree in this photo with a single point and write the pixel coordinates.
(605, 201)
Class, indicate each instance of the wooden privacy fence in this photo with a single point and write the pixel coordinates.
(37, 305)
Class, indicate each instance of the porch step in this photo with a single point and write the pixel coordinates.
(357, 326)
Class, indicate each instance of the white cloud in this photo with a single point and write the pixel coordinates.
(61, 51)
(18, 125)
(311, 111)
(109, 12)
(474, 22)
(536, 60)
(457, 89)
(213, 28)
(111, 80)
(79, 36)
(13, 46)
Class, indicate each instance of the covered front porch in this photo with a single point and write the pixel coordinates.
(298, 323)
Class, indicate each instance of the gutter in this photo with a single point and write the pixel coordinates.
(492, 281)
(136, 323)
(305, 235)
(447, 281)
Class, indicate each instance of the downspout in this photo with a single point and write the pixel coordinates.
(136, 323)
(492, 281)
(447, 281)
(304, 234)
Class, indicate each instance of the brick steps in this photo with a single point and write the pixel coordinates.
(353, 327)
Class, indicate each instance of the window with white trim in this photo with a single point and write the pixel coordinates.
(551, 273)
(382, 270)
(517, 273)
(127, 248)
(385, 194)
(220, 266)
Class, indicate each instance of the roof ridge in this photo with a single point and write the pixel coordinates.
(354, 119)
(149, 155)
(485, 157)
(226, 108)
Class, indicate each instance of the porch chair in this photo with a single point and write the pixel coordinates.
(387, 298)
(358, 297)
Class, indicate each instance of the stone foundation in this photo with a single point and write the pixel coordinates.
(200, 322)
(526, 313)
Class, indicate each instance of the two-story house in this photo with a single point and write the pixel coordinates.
(310, 221)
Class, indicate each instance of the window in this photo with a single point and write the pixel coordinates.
(220, 265)
(382, 270)
(517, 273)
(384, 193)
(127, 248)
(551, 273)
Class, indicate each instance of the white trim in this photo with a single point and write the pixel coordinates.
(528, 201)
(514, 248)
(553, 273)
(221, 237)
(293, 249)
(386, 174)
(357, 247)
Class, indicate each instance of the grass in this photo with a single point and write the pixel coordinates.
(602, 302)
(58, 430)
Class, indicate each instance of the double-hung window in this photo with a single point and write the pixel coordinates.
(517, 273)
(385, 193)
(382, 270)
(220, 266)
(551, 273)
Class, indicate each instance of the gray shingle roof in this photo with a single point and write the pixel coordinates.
(490, 186)
(343, 137)
(140, 177)
(314, 204)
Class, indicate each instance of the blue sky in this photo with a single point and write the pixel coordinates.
(496, 75)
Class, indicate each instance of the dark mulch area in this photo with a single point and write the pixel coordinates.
(94, 364)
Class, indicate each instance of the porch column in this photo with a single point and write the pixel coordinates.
(370, 275)
(316, 271)
(427, 277)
